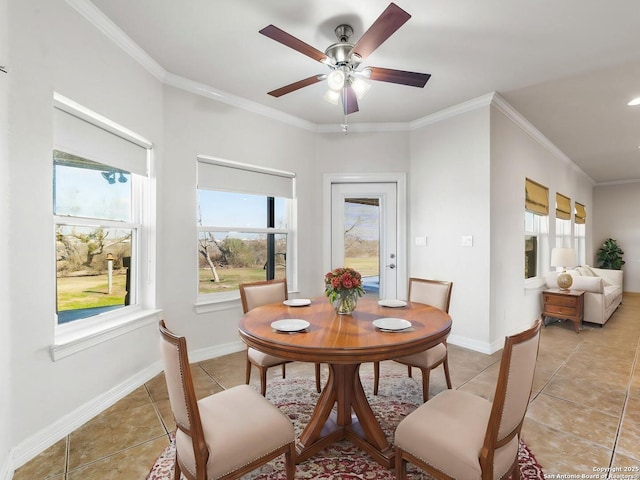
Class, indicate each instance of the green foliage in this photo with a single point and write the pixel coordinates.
(610, 255)
(236, 252)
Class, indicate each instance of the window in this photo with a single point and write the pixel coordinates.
(99, 185)
(244, 225)
(580, 233)
(563, 221)
(536, 229)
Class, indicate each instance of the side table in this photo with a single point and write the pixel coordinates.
(563, 304)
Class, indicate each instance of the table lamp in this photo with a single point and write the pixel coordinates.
(563, 257)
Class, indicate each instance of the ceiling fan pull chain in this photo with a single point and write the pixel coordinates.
(345, 126)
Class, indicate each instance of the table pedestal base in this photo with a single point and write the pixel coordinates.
(344, 390)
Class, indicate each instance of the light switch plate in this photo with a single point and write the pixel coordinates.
(421, 241)
(466, 241)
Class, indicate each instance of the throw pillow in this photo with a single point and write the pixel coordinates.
(588, 284)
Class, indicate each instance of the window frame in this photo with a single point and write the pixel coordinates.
(564, 235)
(72, 337)
(580, 232)
(537, 205)
(209, 302)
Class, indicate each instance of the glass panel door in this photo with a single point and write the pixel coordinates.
(364, 232)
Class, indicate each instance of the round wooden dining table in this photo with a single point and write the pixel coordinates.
(344, 342)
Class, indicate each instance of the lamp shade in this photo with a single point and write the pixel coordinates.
(563, 257)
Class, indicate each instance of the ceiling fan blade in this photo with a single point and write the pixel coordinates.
(386, 24)
(412, 79)
(296, 86)
(349, 101)
(290, 41)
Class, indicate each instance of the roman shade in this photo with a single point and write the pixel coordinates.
(581, 214)
(563, 207)
(93, 141)
(228, 176)
(537, 198)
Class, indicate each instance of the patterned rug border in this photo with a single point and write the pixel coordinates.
(398, 396)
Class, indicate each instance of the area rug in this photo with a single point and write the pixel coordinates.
(295, 397)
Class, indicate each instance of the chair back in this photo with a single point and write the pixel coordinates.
(511, 399)
(436, 293)
(256, 294)
(182, 395)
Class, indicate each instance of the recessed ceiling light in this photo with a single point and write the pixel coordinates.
(635, 101)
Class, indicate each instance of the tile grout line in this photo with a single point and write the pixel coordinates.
(210, 376)
(555, 372)
(155, 408)
(624, 406)
(67, 450)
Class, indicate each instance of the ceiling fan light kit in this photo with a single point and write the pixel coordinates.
(344, 58)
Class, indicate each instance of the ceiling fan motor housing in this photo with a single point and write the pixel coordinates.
(340, 52)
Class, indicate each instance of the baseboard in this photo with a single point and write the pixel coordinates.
(45, 438)
(474, 345)
(217, 351)
(6, 470)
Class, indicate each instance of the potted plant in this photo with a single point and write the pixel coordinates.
(610, 255)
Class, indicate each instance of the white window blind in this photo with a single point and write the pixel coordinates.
(224, 175)
(88, 140)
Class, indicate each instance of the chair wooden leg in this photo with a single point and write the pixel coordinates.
(409, 371)
(376, 377)
(318, 377)
(515, 473)
(425, 383)
(263, 381)
(445, 365)
(176, 469)
(401, 465)
(248, 372)
(284, 370)
(290, 461)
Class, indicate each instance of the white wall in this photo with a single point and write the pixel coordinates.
(5, 273)
(516, 155)
(197, 125)
(449, 198)
(616, 215)
(54, 49)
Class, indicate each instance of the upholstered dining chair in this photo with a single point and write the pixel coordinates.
(253, 295)
(438, 294)
(460, 435)
(224, 435)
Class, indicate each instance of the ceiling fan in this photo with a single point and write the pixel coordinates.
(345, 81)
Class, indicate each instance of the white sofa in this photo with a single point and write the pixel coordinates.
(603, 290)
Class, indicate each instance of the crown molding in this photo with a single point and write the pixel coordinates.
(464, 107)
(617, 182)
(363, 127)
(115, 34)
(103, 23)
(505, 108)
(239, 102)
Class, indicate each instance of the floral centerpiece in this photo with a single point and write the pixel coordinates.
(343, 286)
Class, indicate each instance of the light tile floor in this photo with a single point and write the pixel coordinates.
(584, 412)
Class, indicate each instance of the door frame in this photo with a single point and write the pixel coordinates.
(400, 179)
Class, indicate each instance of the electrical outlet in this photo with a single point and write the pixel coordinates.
(466, 241)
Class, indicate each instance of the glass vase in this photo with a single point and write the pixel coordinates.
(346, 302)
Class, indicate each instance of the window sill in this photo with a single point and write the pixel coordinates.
(533, 285)
(75, 340)
(217, 302)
